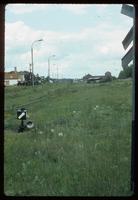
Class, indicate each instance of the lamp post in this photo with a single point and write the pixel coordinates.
(49, 66)
(32, 59)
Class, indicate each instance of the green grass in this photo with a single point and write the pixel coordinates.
(80, 145)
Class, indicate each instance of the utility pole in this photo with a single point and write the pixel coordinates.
(33, 59)
(57, 72)
(49, 66)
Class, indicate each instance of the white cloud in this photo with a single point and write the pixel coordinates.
(101, 6)
(104, 50)
(26, 8)
(92, 49)
(18, 33)
(80, 9)
(77, 9)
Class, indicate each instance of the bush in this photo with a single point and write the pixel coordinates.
(114, 78)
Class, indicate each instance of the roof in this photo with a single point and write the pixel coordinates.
(11, 75)
(87, 76)
(95, 78)
(100, 76)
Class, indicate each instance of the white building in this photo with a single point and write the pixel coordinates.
(11, 78)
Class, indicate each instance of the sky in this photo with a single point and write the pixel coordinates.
(85, 38)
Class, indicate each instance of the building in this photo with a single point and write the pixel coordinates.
(86, 77)
(13, 77)
(21, 76)
(89, 78)
(96, 79)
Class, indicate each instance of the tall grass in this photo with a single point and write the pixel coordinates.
(80, 145)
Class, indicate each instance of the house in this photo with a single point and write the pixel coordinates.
(86, 77)
(13, 77)
(96, 79)
(21, 76)
(89, 78)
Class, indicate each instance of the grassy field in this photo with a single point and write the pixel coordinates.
(80, 145)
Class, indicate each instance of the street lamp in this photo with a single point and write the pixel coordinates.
(49, 66)
(32, 59)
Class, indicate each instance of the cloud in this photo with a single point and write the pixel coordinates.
(78, 9)
(92, 49)
(104, 50)
(18, 33)
(101, 7)
(26, 8)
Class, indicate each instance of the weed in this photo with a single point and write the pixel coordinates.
(80, 144)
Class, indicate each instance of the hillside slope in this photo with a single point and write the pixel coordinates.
(80, 145)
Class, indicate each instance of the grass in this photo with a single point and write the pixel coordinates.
(80, 145)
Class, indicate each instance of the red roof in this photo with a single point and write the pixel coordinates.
(11, 75)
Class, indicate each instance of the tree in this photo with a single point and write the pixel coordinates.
(126, 73)
(122, 75)
(108, 76)
(114, 78)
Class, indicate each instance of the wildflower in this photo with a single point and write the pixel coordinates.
(36, 178)
(52, 130)
(96, 146)
(28, 162)
(96, 107)
(23, 165)
(40, 132)
(74, 111)
(60, 134)
(18, 174)
(80, 145)
(37, 152)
